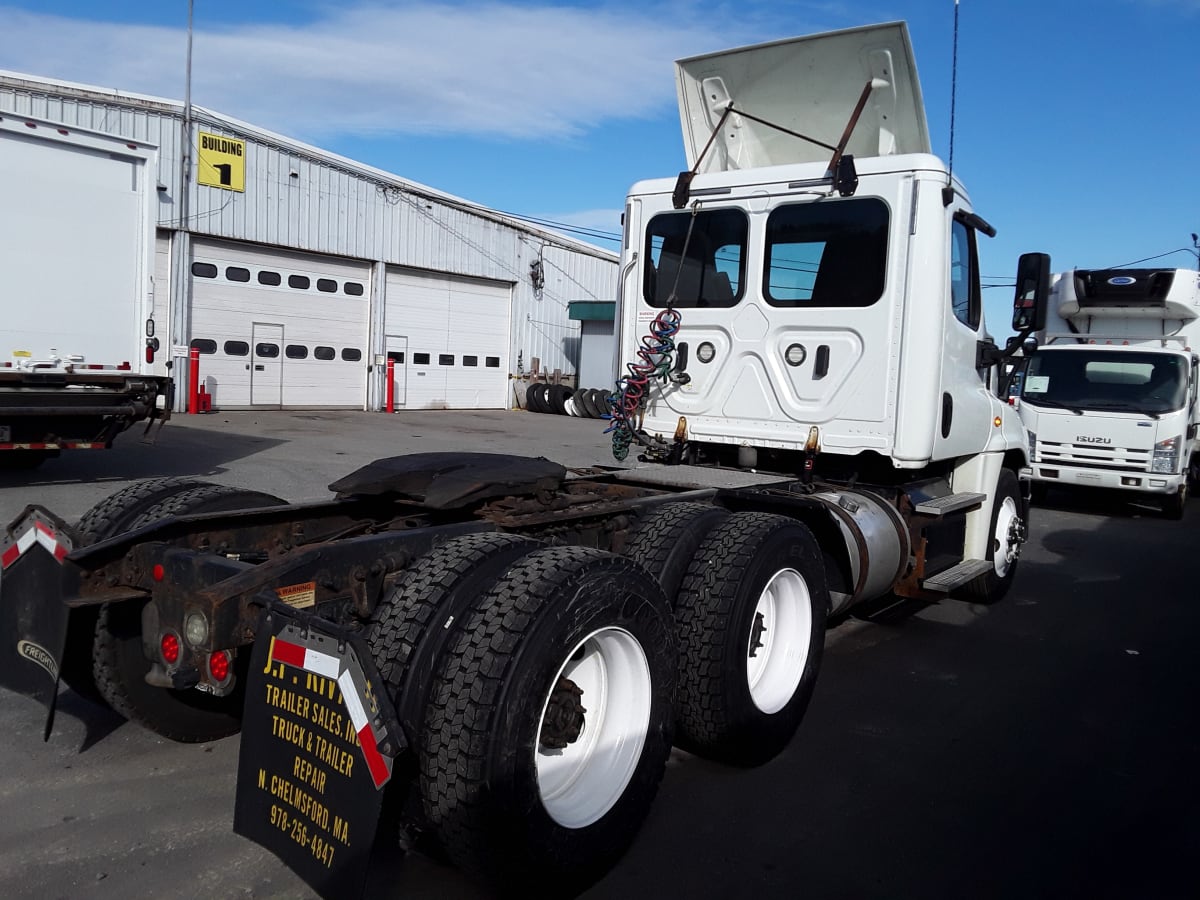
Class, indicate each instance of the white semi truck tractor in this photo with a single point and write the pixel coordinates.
(1109, 398)
(499, 653)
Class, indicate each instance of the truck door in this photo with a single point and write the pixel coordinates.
(266, 364)
(966, 407)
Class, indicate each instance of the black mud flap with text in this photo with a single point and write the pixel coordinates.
(33, 615)
(319, 740)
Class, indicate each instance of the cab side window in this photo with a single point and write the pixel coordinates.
(964, 276)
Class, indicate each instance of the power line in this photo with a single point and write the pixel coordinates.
(1186, 250)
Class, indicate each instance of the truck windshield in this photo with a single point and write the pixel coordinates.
(1150, 383)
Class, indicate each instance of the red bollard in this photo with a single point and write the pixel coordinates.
(391, 386)
(193, 381)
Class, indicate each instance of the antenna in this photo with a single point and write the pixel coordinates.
(948, 193)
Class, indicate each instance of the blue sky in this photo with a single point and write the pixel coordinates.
(1077, 127)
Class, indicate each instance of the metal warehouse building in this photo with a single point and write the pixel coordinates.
(297, 272)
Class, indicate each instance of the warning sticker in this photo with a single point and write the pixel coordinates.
(221, 162)
(298, 596)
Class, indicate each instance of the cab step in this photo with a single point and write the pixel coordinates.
(940, 506)
(957, 576)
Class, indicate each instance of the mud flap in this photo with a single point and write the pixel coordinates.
(33, 615)
(319, 739)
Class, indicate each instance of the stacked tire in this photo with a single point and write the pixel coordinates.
(586, 403)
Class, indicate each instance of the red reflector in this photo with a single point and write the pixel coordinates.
(124, 367)
(170, 648)
(158, 572)
(31, 125)
(132, 146)
(149, 354)
(63, 131)
(218, 665)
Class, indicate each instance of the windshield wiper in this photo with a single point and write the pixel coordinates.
(1042, 401)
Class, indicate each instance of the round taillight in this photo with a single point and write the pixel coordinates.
(170, 648)
(158, 572)
(218, 665)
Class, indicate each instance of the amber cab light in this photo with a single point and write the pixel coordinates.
(170, 648)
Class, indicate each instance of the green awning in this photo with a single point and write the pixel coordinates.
(592, 310)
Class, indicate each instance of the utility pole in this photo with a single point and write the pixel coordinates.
(181, 250)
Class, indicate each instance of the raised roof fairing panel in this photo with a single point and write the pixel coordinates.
(809, 85)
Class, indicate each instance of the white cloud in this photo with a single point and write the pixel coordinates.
(499, 69)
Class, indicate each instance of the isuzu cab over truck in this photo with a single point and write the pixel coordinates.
(1109, 398)
(497, 652)
(77, 230)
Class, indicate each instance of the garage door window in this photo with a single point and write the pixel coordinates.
(204, 345)
(446, 359)
(296, 351)
(272, 279)
(327, 285)
(354, 289)
(204, 270)
(324, 353)
(493, 362)
(237, 273)
(470, 360)
(266, 351)
(420, 359)
(236, 348)
(351, 354)
(299, 282)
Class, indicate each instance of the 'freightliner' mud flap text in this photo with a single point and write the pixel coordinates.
(33, 615)
(318, 744)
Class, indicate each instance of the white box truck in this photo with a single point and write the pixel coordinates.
(77, 227)
(815, 401)
(1109, 397)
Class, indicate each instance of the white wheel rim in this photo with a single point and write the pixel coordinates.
(1006, 547)
(581, 782)
(777, 655)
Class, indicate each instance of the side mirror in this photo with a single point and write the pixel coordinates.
(1033, 292)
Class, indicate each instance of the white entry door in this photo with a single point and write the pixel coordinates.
(397, 352)
(266, 364)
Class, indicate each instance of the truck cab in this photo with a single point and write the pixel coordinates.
(1110, 397)
(823, 294)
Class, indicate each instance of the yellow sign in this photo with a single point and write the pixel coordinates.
(221, 162)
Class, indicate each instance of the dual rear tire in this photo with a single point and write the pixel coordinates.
(537, 683)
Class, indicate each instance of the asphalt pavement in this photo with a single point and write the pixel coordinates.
(1041, 747)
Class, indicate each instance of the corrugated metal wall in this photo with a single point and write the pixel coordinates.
(335, 206)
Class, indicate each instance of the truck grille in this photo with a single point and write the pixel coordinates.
(1093, 456)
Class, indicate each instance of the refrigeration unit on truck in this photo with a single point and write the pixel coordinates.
(809, 424)
(76, 283)
(1109, 397)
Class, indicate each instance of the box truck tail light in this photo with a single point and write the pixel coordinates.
(1166, 456)
(220, 665)
(149, 354)
(170, 648)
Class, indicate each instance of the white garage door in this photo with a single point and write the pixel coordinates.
(277, 328)
(455, 334)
